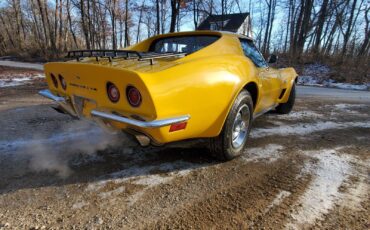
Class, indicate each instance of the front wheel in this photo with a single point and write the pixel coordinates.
(232, 140)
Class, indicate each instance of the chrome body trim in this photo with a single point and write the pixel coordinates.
(264, 111)
(62, 102)
(142, 124)
(104, 115)
(46, 93)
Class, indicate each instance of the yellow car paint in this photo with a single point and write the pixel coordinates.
(203, 84)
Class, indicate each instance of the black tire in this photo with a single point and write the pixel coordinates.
(222, 146)
(287, 107)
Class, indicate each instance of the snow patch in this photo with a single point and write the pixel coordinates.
(312, 81)
(115, 192)
(18, 80)
(271, 152)
(152, 180)
(356, 194)
(329, 173)
(348, 86)
(349, 108)
(319, 75)
(79, 205)
(361, 138)
(314, 74)
(145, 177)
(302, 129)
(297, 115)
(278, 200)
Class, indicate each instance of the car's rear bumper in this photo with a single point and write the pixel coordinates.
(46, 93)
(63, 104)
(115, 117)
(141, 124)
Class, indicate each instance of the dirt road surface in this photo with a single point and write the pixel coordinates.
(308, 169)
(23, 65)
(333, 94)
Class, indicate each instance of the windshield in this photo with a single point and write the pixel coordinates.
(182, 44)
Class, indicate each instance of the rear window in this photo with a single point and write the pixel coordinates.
(250, 50)
(182, 44)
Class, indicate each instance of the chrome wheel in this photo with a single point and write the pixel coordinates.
(240, 126)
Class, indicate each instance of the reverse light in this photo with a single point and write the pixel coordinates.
(54, 79)
(62, 82)
(113, 92)
(133, 96)
(178, 126)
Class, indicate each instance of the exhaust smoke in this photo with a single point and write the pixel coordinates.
(53, 153)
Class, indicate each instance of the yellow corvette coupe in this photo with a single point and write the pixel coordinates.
(172, 87)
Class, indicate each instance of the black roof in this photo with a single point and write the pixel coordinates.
(234, 23)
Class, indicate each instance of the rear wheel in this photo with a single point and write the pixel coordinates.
(232, 140)
(287, 107)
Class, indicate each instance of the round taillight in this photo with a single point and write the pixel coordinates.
(62, 82)
(54, 79)
(113, 92)
(133, 96)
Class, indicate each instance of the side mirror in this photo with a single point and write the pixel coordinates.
(272, 59)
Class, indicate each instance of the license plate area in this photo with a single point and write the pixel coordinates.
(81, 104)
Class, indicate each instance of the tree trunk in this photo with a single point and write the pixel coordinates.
(70, 23)
(56, 18)
(51, 31)
(320, 26)
(304, 26)
(287, 27)
(140, 21)
(195, 14)
(10, 37)
(60, 42)
(349, 28)
(38, 34)
(273, 2)
(84, 27)
(175, 7)
(267, 30)
(158, 20)
(16, 6)
(127, 36)
(43, 21)
(365, 45)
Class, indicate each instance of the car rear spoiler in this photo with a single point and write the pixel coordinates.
(125, 54)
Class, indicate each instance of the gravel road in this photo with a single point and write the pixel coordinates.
(308, 169)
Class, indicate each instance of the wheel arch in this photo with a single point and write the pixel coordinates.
(252, 88)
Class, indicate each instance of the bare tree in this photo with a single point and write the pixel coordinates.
(320, 25)
(175, 8)
(127, 36)
(157, 17)
(271, 4)
(365, 47)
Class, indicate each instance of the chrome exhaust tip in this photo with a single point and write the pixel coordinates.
(143, 140)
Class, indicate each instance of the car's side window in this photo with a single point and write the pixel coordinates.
(251, 51)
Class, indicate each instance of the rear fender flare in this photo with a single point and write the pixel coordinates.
(255, 99)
